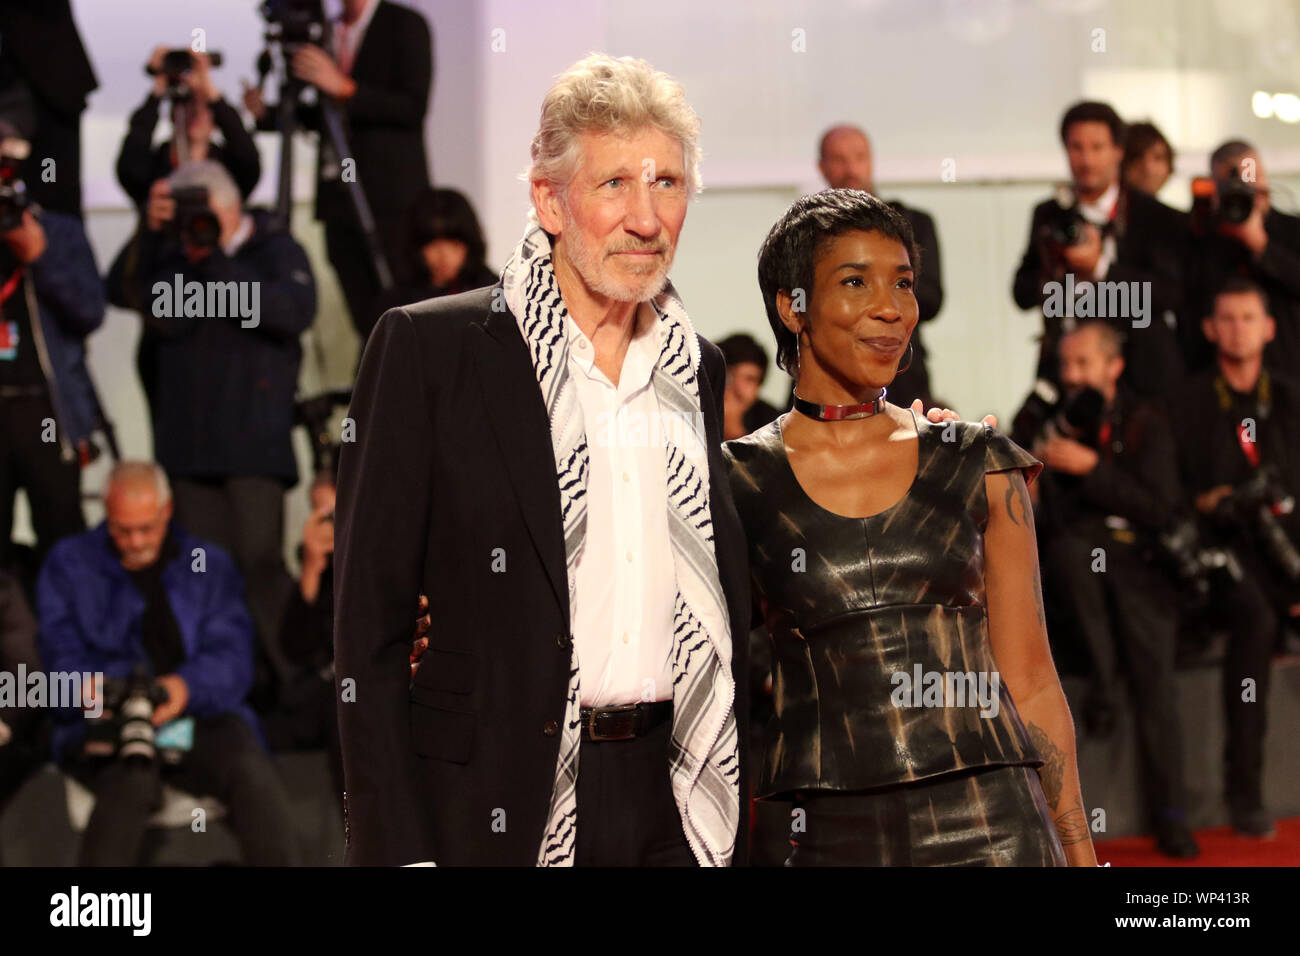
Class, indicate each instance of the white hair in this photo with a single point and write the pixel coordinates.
(211, 175)
(604, 94)
(129, 472)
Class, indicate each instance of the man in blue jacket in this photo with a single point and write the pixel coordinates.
(138, 590)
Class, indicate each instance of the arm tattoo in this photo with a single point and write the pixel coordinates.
(1052, 772)
(1018, 491)
(1036, 589)
(1072, 826)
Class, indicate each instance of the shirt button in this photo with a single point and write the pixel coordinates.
(582, 344)
(625, 637)
(626, 476)
(550, 728)
(629, 557)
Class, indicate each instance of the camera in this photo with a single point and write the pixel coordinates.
(13, 193)
(195, 223)
(1065, 223)
(295, 22)
(1229, 200)
(1192, 562)
(176, 63)
(314, 415)
(125, 729)
(1256, 505)
(1047, 412)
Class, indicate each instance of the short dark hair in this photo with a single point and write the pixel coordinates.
(1240, 285)
(788, 257)
(740, 347)
(1230, 152)
(1140, 138)
(1093, 111)
(1112, 339)
(446, 214)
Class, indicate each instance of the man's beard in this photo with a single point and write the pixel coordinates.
(587, 260)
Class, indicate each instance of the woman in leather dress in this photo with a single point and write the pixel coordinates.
(918, 716)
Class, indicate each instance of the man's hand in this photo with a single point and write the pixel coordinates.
(1082, 258)
(155, 67)
(200, 79)
(313, 65)
(178, 696)
(161, 208)
(420, 643)
(1067, 455)
(317, 546)
(1250, 233)
(253, 101)
(1208, 501)
(26, 240)
(940, 415)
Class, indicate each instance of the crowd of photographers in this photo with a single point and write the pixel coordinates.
(1166, 411)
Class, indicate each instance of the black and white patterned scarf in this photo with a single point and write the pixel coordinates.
(703, 760)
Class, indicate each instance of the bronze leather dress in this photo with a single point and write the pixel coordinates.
(865, 614)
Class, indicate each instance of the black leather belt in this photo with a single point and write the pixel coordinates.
(625, 721)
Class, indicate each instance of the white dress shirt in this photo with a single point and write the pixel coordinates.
(1099, 212)
(625, 579)
(347, 39)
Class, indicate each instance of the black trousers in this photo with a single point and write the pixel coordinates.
(1244, 608)
(991, 816)
(53, 485)
(1128, 613)
(244, 515)
(349, 255)
(627, 815)
(227, 763)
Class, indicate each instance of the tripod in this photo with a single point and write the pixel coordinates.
(287, 123)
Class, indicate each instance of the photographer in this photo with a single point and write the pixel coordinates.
(140, 595)
(229, 297)
(378, 71)
(743, 410)
(1110, 485)
(1104, 231)
(197, 108)
(1237, 232)
(1238, 433)
(24, 737)
(50, 301)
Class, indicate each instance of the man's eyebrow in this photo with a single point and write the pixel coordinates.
(623, 172)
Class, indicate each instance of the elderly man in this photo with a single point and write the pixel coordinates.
(541, 458)
(138, 591)
(845, 162)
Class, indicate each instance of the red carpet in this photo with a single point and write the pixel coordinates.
(1219, 847)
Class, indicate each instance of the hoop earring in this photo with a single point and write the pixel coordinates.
(910, 357)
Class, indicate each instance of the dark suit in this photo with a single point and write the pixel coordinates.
(915, 382)
(1151, 246)
(453, 461)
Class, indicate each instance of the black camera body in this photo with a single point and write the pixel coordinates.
(1193, 562)
(13, 192)
(296, 22)
(124, 729)
(1229, 200)
(175, 64)
(1047, 411)
(1256, 505)
(194, 222)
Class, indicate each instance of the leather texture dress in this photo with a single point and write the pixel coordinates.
(891, 729)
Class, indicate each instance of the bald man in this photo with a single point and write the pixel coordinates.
(139, 592)
(844, 159)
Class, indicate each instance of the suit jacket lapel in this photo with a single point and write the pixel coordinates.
(514, 406)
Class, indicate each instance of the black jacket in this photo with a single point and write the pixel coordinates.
(140, 163)
(1216, 258)
(1136, 478)
(223, 394)
(383, 120)
(453, 460)
(915, 382)
(1151, 246)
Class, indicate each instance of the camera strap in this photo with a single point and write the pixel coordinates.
(10, 285)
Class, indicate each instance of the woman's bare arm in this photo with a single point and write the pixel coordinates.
(1018, 633)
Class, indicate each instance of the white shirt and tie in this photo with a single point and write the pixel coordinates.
(626, 583)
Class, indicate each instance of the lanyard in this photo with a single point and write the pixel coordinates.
(10, 285)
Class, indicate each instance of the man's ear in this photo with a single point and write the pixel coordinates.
(167, 511)
(1271, 325)
(549, 205)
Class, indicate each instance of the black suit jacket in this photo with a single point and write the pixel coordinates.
(384, 119)
(1152, 246)
(915, 382)
(452, 469)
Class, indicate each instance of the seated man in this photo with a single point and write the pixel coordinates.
(24, 737)
(139, 592)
